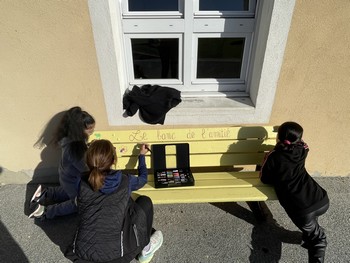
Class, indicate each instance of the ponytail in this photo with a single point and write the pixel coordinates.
(99, 157)
(96, 179)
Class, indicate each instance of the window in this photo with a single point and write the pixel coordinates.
(257, 30)
(195, 46)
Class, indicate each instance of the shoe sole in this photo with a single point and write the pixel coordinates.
(146, 259)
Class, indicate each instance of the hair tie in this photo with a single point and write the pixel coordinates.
(286, 142)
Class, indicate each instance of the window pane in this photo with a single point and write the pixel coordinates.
(155, 58)
(220, 57)
(224, 5)
(153, 5)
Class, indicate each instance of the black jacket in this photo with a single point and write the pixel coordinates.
(297, 191)
(72, 165)
(152, 101)
(112, 228)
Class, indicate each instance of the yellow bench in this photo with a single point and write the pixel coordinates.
(223, 161)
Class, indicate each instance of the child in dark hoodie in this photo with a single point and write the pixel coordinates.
(299, 194)
(71, 136)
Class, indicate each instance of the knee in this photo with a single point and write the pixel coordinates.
(316, 241)
(144, 201)
(143, 198)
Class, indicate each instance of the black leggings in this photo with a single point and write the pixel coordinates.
(147, 206)
(314, 237)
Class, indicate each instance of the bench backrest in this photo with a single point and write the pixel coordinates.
(209, 147)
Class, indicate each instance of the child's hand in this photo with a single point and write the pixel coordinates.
(144, 149)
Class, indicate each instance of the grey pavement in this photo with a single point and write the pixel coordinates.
(193, 233)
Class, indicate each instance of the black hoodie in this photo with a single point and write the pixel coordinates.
(298, 193)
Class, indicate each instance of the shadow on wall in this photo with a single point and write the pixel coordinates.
(46, 172)
(249, 140)
(10, 251)
(61, 231)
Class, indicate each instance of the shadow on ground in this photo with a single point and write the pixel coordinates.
(60, 230)
(9, 248)
(263, 249)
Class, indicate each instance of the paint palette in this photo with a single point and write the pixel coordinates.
(173, 177)
(165, 156)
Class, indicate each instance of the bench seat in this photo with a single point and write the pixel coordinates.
(212, 187)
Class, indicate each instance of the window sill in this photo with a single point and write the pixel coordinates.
(196, 111)
(208, 110)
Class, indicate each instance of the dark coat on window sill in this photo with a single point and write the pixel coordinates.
(152, 101)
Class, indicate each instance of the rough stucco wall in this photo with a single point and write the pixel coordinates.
(47, 65)
(314, 83)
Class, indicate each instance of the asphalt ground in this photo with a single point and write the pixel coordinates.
(193, 233)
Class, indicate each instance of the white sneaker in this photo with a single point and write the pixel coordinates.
(155, 243)
(39, 212)
(36, 196)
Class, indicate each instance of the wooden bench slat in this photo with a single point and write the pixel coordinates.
(201, 160)
(186, 134)
(219, 175)
(217, 179)
(207, 195)
(213, 183)
(242, 146)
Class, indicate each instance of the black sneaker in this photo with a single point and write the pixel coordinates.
(38, 196)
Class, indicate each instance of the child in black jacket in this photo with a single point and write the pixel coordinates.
(71, 136)
(299, 194)
(113, 228)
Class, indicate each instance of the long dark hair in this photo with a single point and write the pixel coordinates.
(73, 125)
(289, 135)
(99, 157)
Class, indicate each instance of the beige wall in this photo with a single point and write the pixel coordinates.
(48, 64)
(314, 85)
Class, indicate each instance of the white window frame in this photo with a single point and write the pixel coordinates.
(207, 24)
(126, 13)
(272, 27)
(130, 70)
(249, 13)
(226, 84)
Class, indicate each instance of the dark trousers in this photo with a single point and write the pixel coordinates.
(314, 237)
(64, 202)
(147, 206)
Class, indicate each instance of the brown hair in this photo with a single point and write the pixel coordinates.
(99, 157)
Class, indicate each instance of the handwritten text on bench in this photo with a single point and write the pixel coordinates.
(142, 136)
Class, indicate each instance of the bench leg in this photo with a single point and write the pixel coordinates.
(258, 209)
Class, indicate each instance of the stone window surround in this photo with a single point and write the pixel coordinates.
(273, 25)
